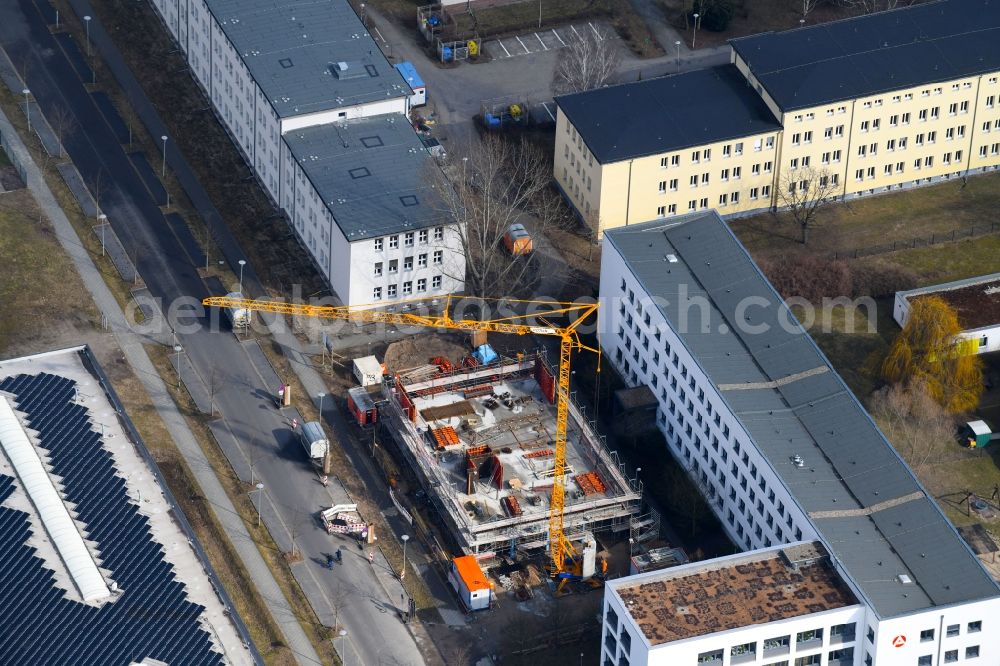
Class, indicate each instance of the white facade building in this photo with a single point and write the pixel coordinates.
(277, 68)
(975, 300)
(781, 448)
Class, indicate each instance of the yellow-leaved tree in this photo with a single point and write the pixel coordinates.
(925, 353)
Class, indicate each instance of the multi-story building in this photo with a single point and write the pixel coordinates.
(866, 105)
(784, 453)
(278, 68)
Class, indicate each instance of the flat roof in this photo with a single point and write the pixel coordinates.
(862, 499)
(668, 113)
(291, 48)
(868, 55)
(733, 592)
(975, 300)
(374, 175)
(163, 602)
(409, 73)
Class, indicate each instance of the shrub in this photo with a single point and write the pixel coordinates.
(877, 278)
(808, 276)
(715, 14)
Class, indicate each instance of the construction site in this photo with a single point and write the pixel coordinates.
(481, 440)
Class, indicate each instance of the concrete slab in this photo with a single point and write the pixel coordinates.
(75, 56)
(111, 115)
(113, 247)
(186, 239)
(43, 130)
(196, 387)
(149, 177)
(75, 183)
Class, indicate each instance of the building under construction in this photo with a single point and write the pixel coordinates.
(481, 440)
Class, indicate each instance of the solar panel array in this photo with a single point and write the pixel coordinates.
(152, 617)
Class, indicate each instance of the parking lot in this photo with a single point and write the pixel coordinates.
(544, 40)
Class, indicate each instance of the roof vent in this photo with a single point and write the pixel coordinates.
(798, 461)
(904, 579)
(672, 258)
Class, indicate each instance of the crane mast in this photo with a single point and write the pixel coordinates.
(560, 548)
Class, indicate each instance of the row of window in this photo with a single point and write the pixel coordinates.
(438, 259)
(725, 199)
(728, 150)
(407, 288)
(408, 239)
(804, 640)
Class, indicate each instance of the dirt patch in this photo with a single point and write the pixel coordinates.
(419, 350)
(976, 305)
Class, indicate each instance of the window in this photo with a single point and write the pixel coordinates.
(675, 160)
(713, 657)
(422, 260)
(871, 635)
(864, 126)
(438, 233)
(952, 630)
(796, 138)
(407, 288)
(423, 236)
(842, 632)
(951, 656)
(408, 239)
(726, 150)
(922, 116)
(724, 176)
(696, 156)
(378, 268)
(393, 266)
(768, 167)
(661, 211)
(663, 162)
(741, 653)
(393, 242)
(706, 154)
(436, 282)
(842, 656)
(392, 291)
(926, 635)
(811, 660)
(377, 294)
(828, 133)
(703, 203)
(893, 120)
(673, 184)
(805, 638)
(925, 660)
(378, 244)
(974, 627)
(704, 178)
(422, 284)
(755, 170)
(765, 191)
(663, 187)
(807, 137)
(972, 652)
(694, 180)
(754, 192)
(407, 263)
(723, 199)
(739, 148)
(671, 210)
(438, 257)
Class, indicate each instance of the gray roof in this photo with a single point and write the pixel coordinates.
(922, 44)
(292, 46)
(374, 175)
(878, 521)
(668, 113)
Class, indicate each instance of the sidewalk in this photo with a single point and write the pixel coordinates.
(137, 358)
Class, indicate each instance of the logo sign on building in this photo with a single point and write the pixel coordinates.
(899, 641)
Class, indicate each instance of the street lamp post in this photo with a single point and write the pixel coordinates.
(402, 574)
(242, 263)
(260, 502)
(86, 22)
(694, 34)
(27, 109)
(104, 225)
(343, 646)
(321, 396)
(636, 477)
(163, 168)
(178, 349)
(678, 45)
(539, 14)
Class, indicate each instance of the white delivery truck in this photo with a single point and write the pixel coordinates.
(240, 317)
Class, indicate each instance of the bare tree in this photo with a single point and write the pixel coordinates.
(586, 63)
(496, 183)
(808, 6)
(803, 192)
(62, 123)
(872, 6)
(96, 186)
(913, 421)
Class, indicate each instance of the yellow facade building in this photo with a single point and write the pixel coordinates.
(865, 106)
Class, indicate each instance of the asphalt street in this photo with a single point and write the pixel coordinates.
(170, 273)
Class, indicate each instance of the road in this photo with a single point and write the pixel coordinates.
(171, 274)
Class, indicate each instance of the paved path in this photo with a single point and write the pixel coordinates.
(136, 355)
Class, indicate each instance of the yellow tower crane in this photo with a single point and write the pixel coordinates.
(541, 312)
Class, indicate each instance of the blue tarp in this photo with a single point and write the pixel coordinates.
(485, 354)
(409, 73)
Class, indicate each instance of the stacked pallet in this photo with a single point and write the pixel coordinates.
(444, 437)
(542, 453)
(590, 483)
(478, 390)
(511, 506)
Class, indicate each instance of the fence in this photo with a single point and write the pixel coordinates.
(974, 231)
